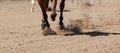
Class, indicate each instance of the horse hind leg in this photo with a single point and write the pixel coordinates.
(49, 7)
(62, 5)
(47, 4)
(33, 5)
(53, 14)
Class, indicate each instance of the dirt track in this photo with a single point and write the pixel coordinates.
(20, 30)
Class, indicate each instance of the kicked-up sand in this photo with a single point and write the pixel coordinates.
(94, 25)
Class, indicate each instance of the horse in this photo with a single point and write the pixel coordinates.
(44, 5)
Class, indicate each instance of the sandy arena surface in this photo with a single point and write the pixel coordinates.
(98, 20)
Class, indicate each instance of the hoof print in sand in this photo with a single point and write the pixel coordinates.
(47, 32)
(62, 31)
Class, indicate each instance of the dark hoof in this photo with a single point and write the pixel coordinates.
(53, 16)
(48, 31)
(49, 9)
(62, 27)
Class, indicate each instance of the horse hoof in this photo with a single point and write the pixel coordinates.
(48, 31)
(61, 26)
(53, 16)
(49, 9)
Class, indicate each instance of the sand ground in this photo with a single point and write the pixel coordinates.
(20, 30)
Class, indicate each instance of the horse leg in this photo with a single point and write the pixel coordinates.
(47, 4)
(49, 7)
(62, 5)
(33, 5)
(54, 14)
(43, 6)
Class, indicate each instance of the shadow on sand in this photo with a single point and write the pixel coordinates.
(92, 34)
(63, 10)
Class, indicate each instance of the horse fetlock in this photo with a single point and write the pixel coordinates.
(43, 25)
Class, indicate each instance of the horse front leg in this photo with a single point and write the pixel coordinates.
(62, 5)
(45, 23)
